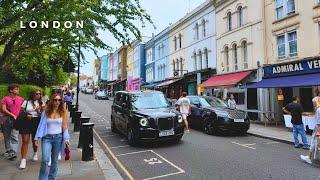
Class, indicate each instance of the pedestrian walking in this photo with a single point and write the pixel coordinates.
(33, 107)
(314, 153)
(295, 109)
(231, 102)
(68, 99)
(53, 132)
(184, 107)
(11, 109)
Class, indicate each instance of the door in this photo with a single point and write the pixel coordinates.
(195, 116)
(124, 112)
(252, 103)
(306, 99)
(117, 111)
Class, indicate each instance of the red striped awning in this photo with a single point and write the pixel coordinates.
(225, 80)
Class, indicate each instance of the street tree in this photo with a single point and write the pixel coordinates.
(19, 38)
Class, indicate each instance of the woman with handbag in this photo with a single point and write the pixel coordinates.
(53, 132)
(33, 108)
(314, 151)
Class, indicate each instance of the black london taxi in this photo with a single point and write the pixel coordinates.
(145, 116)
(212, 115)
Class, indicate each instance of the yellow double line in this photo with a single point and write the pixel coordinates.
(114, 157)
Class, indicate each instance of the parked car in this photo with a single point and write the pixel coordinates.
(89, 90)
(83, 89)
(145, 116)
(212, 114)
(101, 94)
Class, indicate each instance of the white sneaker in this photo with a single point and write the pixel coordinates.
(187, 131)
(49, 163)
(306, 159)
(23, 164)
(59, 157)
(35, 157)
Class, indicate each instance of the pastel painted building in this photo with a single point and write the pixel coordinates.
(111, 67)
(149, 65)
(104, 68)
(161, 53)
(115, 64)
(129, 67)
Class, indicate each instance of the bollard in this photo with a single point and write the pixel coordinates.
(87, 145)
(76, 117)
(82, 120)
(74, 108)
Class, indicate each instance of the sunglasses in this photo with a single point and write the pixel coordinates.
(56, 100)
(38, 93)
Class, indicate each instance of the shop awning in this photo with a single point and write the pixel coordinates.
(167, 83)
(225, 80)
(150, 86)
(289, 81)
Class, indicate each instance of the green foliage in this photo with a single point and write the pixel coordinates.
(25, 90)
(73, 80)
(119, 17)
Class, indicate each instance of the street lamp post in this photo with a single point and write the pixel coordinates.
(78, 81)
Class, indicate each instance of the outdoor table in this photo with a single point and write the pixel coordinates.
(266, 114)
(309, 121)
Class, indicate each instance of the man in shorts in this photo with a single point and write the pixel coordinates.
(185, 109)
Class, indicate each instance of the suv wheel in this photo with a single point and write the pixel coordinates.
(113, 126)
(207, 126)
(132, 140)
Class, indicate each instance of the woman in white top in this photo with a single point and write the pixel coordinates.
(33, 106)
(313, 152)
(231, 102)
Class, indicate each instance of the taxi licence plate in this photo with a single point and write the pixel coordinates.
(238, 120)
(166, 133)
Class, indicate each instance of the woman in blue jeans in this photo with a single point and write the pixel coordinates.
(53, 132)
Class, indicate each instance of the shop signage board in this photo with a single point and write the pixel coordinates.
(293, 68)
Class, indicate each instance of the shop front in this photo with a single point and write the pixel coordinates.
(224, 84)
(120, 85)
(190, 79)
(286, 80)
(134, 84)
(172, 88)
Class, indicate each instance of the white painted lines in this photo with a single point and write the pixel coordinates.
(245, 145)
(181, 170)
(156, 177)
(136, 152)
(116, 147)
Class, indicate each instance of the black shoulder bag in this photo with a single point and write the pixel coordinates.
(18, 123)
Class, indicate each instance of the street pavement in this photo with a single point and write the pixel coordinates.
(198, 155)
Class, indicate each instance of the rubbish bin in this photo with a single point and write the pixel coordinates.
(74, 108)
(76, 121)
(82, 120)
(87, 146)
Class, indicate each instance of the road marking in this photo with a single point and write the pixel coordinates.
(152, 161)
(114, 157)
(115, 147)
(136, 152)
(181, 170)
(156, 177)
(272, 143)
(244, 145)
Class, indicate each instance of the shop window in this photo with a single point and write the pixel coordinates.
(245, 54)
(204, 28)
(235, 57)
(206, 58)
(229, 21)
(281, 46)
(284, 8)
(287, 45)
(240, 16)
(292, 41)
(239, 98)
(196, 31)
(226, 57)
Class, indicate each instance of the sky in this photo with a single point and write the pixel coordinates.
(162, 12)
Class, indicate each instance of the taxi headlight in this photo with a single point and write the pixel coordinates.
(143, 122)
(180, 119)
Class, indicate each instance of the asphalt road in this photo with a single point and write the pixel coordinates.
(200, 156)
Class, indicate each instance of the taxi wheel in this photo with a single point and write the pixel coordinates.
(207, 126)
(131, 137)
